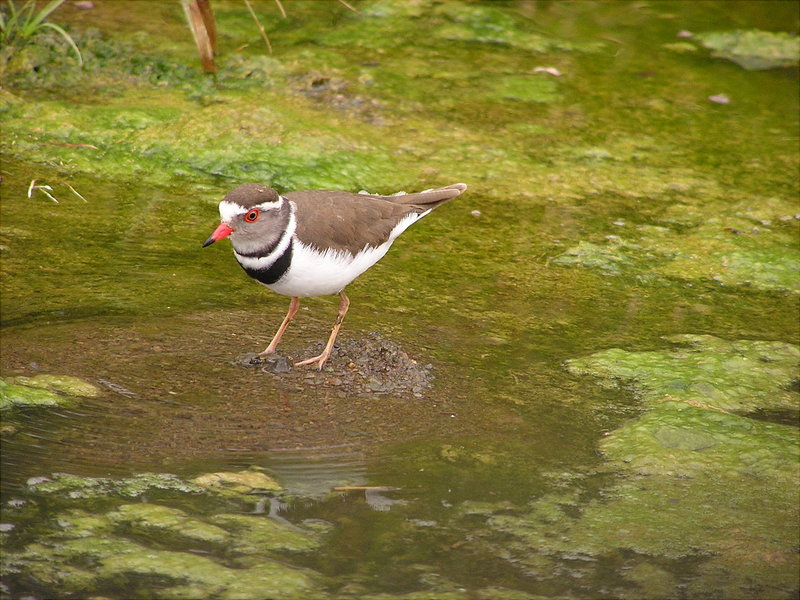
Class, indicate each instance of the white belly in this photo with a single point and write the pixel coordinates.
(314, 273)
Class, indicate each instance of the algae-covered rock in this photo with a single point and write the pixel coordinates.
(242, 482)
(587, 254)
(678, 439)
(74, 486)
(491, 25)
(186, 575)
(87, 541)
(676, 466)
(165, 523)
(79, 523)
(63, 565)
(128, 565)
(63, 384)
(14, 395)
(525, 89)
(44, 390)
(749, 536)
(749, 243)
(753, 49)
(255, 535)
(744, 375)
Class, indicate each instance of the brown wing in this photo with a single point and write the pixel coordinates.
(348, 222)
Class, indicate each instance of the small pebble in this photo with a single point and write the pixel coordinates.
(720, 99)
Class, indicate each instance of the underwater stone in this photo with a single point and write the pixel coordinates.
(44, 390)
(754, 50)
(242, 482)
(13, 395)
(257, 534)
(74, 486)
(166, 522)
(186, 575)
(744, 375)
(675, 465)
(64, 384)
(80, 524)
(674, 438)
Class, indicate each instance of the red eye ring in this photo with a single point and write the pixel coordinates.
(252, 216)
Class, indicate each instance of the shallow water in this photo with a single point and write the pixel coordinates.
(617, 206)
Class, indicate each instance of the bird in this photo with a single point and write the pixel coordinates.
(315, 242)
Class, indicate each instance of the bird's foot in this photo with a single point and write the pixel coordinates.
(320, 360)
(266, 353)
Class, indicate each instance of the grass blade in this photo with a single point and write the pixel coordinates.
(67, 38)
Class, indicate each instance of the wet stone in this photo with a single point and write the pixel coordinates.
(369, 365)
(243, 482)
(277, 364)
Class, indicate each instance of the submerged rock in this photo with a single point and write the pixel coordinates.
(13, 395)
(166, 524)
(754, 50)
(750, 242)
(705, 371)
(186, 575)
(242, 482)
(44, 390)
(63, 384)
(669, 477)
(255, 535)
(74, 486)
(369, 365)
(88, 541)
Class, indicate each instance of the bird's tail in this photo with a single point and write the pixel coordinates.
(429, 199)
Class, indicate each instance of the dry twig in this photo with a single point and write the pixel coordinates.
(260, 26)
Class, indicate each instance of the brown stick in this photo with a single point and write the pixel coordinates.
(260, 27)
(202, 37)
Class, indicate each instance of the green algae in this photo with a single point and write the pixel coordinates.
(525, 89)
(243, 482)
(13, 395)
(620, 162)
(63, 384)
(166, 524)
(676, 464)
(756, 257)
(489, 25)
(116, 562)
(73, 486)
(277, 154)
(741, 375)
(83, 551)
(608, 259)
(752, 49)
(44, 391)
(186, 575)
(256, 535)
(685, 441)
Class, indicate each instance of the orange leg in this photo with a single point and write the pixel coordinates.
(293, 306)
(344, 304)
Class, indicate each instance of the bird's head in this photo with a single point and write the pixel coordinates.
(254, 216)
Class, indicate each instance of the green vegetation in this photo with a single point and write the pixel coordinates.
(23, 23)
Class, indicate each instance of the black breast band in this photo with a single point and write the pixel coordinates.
(275, 271)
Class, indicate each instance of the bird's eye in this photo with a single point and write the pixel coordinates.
(252, 216)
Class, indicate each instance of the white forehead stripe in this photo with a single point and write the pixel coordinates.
(228, 211)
